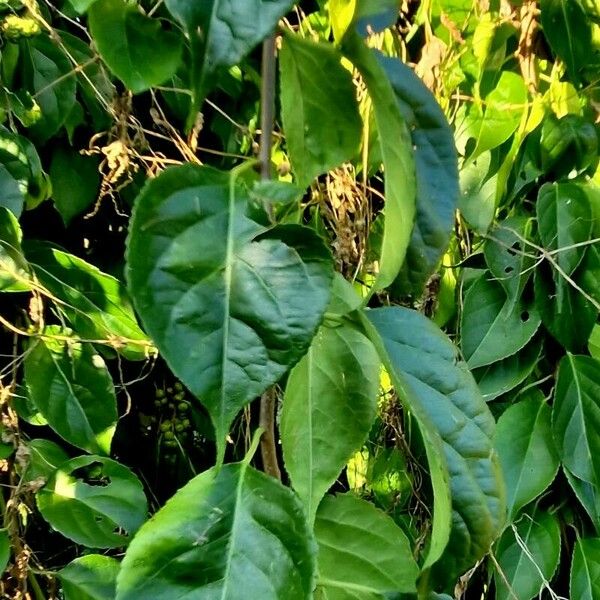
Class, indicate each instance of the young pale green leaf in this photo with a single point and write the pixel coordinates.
(136, 48)
(229, 533)
(436, 172)
(328, 409)
(576, 416)
(565, 222)
(44, 457)
(362, 552)
(14, 271)
(568, 31)
(69, 384)
(222, 33)
(341, 14)
(75, 182)
(585, 570)
(318, 105)
(477, 202)
(94, 501)
(4, 550)
(231, 305)
(508, 258)
(527, 555)
(438, 389)
(90, 577)
(398, 159)
(503, 376)
(492, 327)
(95, 304)
(526, 449)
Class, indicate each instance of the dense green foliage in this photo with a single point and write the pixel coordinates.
(391, 287)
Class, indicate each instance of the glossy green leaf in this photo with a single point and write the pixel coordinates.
(594, 342)
(528, 553)
(491, 327)
(565, 222)
(90, 577)
(93, 501)
(398, 159)
(222, 33)
(95, 304)
(317, 106)
(567, 29)
(437, 387)
(136, 48)
(69, 384)
(526, 449)
(243, 535)
(75, 182)
(503, 376)
(4, 550)
(50, 78)
(362, 552)
(230, 304)
(328, 409)
(576, 416)
(585, 570)
(14, 271)
(477, 202)
(436, 172)
(44, 457)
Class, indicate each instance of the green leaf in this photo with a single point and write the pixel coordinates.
(344, 298)
(576, 416)
(440, 392)
(75, 182)
(526, 449)
(93, 501)
(50, 79)
(136, 48)
(373, 16)
(477, 202)
(492, 327)
(588, 495)
(4, 550)
(341, 14)
(14, 271)
(81, 6)
(594, 343)
(90, 577)
(222, 34)
(230, 304)
(436, 171)
(24, 407)
(96, 304)
(229, 533)
(398, 159)
(527, 554)
(564, 220)
(503, 376)
(71, 387)
(11, 196)
(568, 31)
(362, 552)
(44, 458)
(320, 114)
(585, 570)
(328, 409)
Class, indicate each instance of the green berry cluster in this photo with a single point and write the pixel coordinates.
(173, 420)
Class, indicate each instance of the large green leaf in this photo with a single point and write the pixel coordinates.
(318, 106)
(439, 390)
(568, 30)
(585, 570)
(44, 457)
(492, 327)
(564, 220)
(230, 304)
(526, 449)
(576, 416)
(69, 384)
(134, 47)
(527, 555)
(436, 171)
(362, 552)
(94, 501)
(328, 410)
(229, 533)
(96, 304)
(222, 33)
(398, 159)
(90, 577)
(14, 271)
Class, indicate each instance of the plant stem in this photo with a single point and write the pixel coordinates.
(268, 448)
